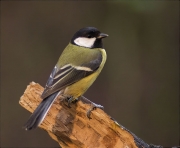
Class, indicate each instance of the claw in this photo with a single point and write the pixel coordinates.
(94, 106)
(69, 101)
(88, 114)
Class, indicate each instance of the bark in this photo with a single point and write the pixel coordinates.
(71, 128)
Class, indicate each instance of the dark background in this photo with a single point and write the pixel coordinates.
(139, 85)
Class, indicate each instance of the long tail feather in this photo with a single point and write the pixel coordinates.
(39, 114)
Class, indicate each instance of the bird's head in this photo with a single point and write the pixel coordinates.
(88, 37)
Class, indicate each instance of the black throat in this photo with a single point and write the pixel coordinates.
(98, 44)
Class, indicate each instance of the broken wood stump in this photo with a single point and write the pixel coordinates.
(71, 128)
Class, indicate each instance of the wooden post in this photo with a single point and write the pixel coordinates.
(71, 128)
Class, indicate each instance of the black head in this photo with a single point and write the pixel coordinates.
(89, 37)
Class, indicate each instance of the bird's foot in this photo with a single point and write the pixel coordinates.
(68, 99)
(93, 106)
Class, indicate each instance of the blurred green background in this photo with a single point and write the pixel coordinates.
(139, 85)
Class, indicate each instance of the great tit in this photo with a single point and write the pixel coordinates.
(77, 68)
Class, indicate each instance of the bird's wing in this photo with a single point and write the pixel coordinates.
(69, 74)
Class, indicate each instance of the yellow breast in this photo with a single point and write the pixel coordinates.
(79, 88)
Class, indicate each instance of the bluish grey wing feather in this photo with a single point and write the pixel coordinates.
(94, 64)
(63, 77)
(56, 75)
(38, 115)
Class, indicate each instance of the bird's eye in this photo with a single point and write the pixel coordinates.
(89, 36)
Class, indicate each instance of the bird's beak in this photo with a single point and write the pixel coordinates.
(102, 35)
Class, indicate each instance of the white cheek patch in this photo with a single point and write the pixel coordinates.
(85, 42)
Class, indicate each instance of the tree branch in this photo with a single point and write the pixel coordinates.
(71, 128)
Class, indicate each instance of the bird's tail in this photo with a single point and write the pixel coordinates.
(39, 114)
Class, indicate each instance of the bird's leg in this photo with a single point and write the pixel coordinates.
(68, 99)
(93, 105)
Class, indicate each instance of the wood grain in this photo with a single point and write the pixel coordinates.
(71, 128)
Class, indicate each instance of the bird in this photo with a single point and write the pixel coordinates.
(77, 68)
